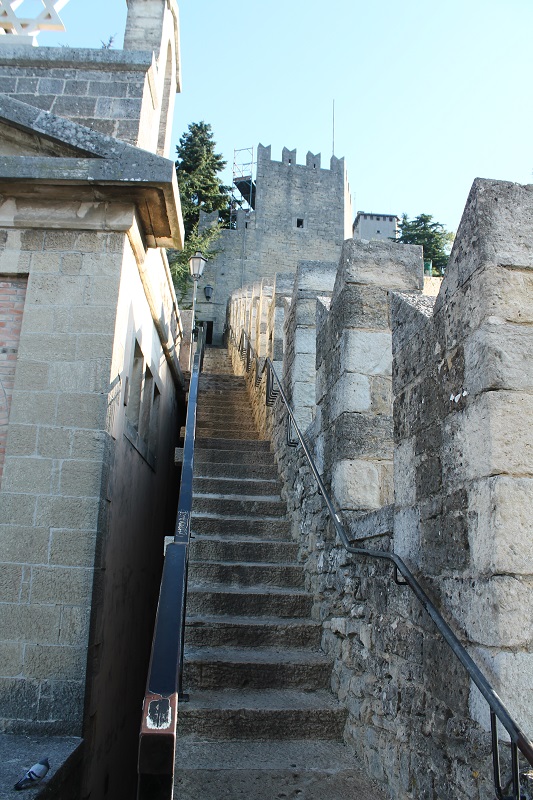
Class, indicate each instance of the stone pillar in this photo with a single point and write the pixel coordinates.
(311, 279)
(354, 370)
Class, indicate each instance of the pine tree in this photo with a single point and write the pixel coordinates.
(200, 188)
(433, 237)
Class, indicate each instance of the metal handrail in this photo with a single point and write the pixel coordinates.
(157, 741)
(498, 711)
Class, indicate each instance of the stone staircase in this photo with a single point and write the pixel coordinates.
(261, 721)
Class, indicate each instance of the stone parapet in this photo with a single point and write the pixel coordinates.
(456, 506)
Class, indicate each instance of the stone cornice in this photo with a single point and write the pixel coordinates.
(110, 167)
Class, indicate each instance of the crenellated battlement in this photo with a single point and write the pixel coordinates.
(288, 158)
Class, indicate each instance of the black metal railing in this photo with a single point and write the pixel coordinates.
(157, 742)
(498, 711)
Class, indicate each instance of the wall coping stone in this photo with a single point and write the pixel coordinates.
(75, 58)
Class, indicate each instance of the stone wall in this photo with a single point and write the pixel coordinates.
(457, 513)
(88, 487)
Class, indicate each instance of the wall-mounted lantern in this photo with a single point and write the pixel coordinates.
(208, 291)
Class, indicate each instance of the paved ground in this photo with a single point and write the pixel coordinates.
(19, 753)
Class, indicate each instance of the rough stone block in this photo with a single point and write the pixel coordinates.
(67, 512)
(494, 612)
(24, 544)
(22, 439)
(501, 509)
(498, 356)
(63, 663)
(29, 474)
(351, 393)
(54, 442)
(357, 484)
(363, 435)
(495, 229)
(303, 394)
(33, 407)
(11, 659)
(81, 478)
(367, 352)
(71, 586)
(407, 534)
(404, 473)
(75, 623)
(386, 264)
(18, 698)
(11, 576)
(510, 675)
(303, 369)
(492, 436)
(32, 376)
(81, 410)
(17, 509)
(30, 623)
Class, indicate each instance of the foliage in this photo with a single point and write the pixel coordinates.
(179, 259)
(200, 188)
(197, 168)
(433, 237)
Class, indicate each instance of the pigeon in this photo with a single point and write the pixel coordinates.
(34, 775)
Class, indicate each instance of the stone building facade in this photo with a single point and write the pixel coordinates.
(92, 391)
(421, 430)
(301, 213)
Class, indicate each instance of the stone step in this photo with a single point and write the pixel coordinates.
(225, 485)
(271, 714)
(248, 601)
(235, 434)
(214, 455)
(210, 548)
(238, 631)
(233, 419)
(212, 432)
(272, 529)
(204, 443)
(224, 402)
(255, 668)
(239, 506)
(238, 574)
(236, 471)
(234, 770)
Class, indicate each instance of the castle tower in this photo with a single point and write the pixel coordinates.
(301, 212)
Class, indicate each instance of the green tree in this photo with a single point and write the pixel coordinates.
(201, 189)
(433, 237)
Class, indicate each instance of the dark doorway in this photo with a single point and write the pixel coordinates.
(209, 333)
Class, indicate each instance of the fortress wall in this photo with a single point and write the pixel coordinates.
(464, 455)
(460, 517)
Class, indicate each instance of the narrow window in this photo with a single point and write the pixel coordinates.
(133, 406)
(299, 223)
(146, 404)
(154, 421)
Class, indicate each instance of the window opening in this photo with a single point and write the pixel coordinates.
(133, 406)
(299, 223)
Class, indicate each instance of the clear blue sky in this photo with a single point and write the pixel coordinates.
(428, 94)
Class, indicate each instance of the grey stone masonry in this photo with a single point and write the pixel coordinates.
(463, 381)
(312, 279)
(128, 94)
(302, 213)
(456, 507)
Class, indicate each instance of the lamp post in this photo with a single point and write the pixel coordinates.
(196, 267)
